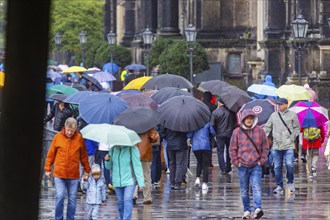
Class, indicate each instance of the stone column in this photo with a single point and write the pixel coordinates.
(168, 18)
(129, 24)
(150, 12)
(276, 19)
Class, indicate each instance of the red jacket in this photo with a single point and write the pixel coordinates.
(316, 144)
(66, 154)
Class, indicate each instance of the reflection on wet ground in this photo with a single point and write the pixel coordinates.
(222, 201)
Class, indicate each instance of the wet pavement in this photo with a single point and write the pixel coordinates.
(311, 199)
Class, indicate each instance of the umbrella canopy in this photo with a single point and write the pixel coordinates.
(168, 92)
(183, 113)
(149, 92)
(234, 98)
(135, 67)
(310, 114)
(211, 85)
(110, 134)
(107, 68)
(93, 70)
(92, 80)
(127, 91)
(293, 92)
(135, 100)
(76, 86)
(262, 89)
(101, 108)
(137, 83)
(74, 69)
(2, 78)
(139, 119)
(58, 97)
(53, 75)
(263, 108)
(76, 98)
(167, 80)
(103, 77)
(63, 89)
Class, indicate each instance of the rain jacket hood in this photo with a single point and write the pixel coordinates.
(269, 81)
(246, 113)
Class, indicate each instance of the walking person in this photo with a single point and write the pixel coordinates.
(66, 152)
(156, 164)
(61, 111)
(285, 128)
(223, 122)
(202, 150)
(249, 152)
(96, 194)
(125, 166)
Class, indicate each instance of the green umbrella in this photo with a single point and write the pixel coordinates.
(110, 134)
(62, 89)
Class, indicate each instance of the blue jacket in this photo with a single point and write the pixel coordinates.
(201, 137)
(96, 191)
(125, 164)
(91, 146)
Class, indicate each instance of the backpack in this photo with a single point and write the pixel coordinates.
(311, 134)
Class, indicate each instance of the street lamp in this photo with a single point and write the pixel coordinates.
(58, 42)
(299, 27)
(112, 38)
(83, 41)
(191, 34)
(148, 38)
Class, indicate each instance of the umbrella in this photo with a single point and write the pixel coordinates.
(53, 75)
(212, 85)
(110, 134)
(76, 98)
(101, 108)
(63, 67)
(58, 97)
(74, 69)
(310, 114)
(137, 83)
(2, 78)
(76, 86)
(107, 68)
(92, 80)
(127, 91)
(168, 92)
(263, 108)
(262, 89)
(149, 92)
(293, 92)
(139, 119)
(135, 67)
(134, 100)
(104, 77)
(183, 113)
(63, 89)
(234, 98)
(93, 70)
(167, 80)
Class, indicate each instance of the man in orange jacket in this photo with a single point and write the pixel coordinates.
(66, 152)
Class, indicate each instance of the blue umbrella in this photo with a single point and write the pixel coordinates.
(135, 67)
(53, 75)
(104, 76)
(127, 91)
(76, 98)
(107, 68)
(262, 89)
(101, 108)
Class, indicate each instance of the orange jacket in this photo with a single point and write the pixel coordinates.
(66, 153)
(145, 146)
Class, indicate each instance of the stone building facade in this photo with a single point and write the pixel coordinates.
(250, 38)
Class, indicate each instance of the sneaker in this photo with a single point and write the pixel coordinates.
(258, 213)
(291, 187)
(295, 160)
(184, 183)
(303, 158)
(111, 187)
(148, 202)
(314, 172)
(156, 183)
(205, 187)
(247, 215)
(278, 190)
(197, 182)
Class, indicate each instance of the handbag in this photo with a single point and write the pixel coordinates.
(255, 146)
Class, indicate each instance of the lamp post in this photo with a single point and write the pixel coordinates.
(299, 27)
(191, 34)
(83, 41)
(58, 42)
(112, 38)
(148, 38)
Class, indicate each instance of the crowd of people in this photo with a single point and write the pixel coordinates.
(125, 169)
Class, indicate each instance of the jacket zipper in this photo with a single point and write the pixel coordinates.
(119, 166)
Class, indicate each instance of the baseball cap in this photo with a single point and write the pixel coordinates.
(282, 101)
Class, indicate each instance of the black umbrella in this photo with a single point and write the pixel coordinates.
(58, 97)
(216, 87)
(138, 119)
(183, 113)
(167, 80)
(77, 86)
(92, 80)
(234, 98)
(168, 92)
(135, 100)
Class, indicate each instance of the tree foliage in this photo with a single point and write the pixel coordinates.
(158, 46)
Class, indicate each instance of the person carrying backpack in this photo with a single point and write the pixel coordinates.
(312, 140)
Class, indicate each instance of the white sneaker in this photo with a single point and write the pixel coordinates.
(197, 182)
(291, 187)
(278, 190)
(258, 213)
(205, 187)
(247, 215)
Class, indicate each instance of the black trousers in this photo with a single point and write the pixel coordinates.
(203, 162)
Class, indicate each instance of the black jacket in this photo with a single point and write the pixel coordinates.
(60, 116)
(223, 121)
(175, 140)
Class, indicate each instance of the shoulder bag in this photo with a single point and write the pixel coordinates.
(255, 146)
(284, 123)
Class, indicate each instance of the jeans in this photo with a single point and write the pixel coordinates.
(224, 164)
(178, 166)
(278, 157)
(61, 187)
(156, 166)
(125, 201)
(93, 211)
(99, 159)
(253, 175)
